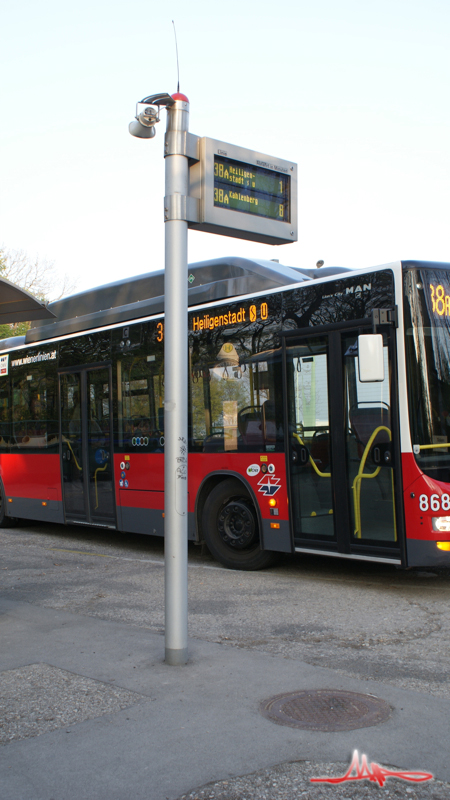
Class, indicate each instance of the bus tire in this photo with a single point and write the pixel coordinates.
(231, 530)
(5, 522)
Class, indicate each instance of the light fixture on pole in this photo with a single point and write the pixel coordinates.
(143, 126)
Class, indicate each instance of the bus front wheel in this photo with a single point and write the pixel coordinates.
(231, 530)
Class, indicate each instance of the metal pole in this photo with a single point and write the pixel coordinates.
(175, 382)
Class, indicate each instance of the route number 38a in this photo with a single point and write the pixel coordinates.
(434, 503)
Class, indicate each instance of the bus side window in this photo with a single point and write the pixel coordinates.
(34, 408)
(140, 413)
(235, 395)
(5, 415)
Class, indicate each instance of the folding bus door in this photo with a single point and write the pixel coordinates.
(86, 446)
(342, 448)
(311, 489)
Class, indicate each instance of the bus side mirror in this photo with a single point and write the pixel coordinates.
(370, 357)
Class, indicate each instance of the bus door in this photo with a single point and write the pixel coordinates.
(342, 441)
(86, 446)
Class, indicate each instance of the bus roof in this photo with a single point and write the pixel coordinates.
(143, 295)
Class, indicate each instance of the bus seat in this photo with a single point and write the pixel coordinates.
(215, 443)
(250, 426)
(320, 450)
(365, 419)
(270, 425)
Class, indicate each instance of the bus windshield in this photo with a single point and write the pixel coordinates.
(427, 336)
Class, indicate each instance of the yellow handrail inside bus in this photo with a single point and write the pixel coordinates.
(356, 488)
(312, 462)
(67, 442)
(431, 446)
(99, 469)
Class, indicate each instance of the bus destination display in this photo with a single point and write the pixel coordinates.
(440, 300)
(251, 189)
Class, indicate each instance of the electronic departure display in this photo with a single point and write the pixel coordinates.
(251, 189)
(234, 191)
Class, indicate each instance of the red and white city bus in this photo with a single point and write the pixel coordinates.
(290, 450)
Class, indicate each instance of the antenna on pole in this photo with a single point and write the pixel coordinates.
(176, 48)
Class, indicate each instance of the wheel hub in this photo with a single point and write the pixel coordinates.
(237, 526)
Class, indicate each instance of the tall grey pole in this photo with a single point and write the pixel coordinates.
(175, 381)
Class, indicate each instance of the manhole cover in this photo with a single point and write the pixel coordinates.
(326, 710)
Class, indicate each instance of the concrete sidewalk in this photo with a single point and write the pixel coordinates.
(105, 718)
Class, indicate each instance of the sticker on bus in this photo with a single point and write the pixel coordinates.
(253, 469)
(269, 485)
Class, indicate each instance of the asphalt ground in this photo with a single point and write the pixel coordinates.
(90, 709)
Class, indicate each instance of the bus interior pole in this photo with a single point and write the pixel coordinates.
(175, 382)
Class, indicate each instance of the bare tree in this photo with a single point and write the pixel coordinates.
(38, 276)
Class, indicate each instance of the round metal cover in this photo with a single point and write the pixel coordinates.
(326, 710)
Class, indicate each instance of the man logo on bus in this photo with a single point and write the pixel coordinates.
(269, 485)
